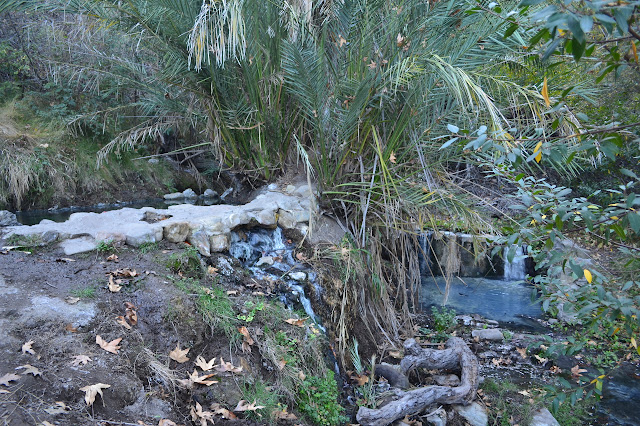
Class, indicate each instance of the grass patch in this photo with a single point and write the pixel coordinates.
(262, 395)
(88, 292)
(149, 247)
(186, 262)
(508, 407)
(105, 247)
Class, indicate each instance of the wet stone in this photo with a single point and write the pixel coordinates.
(493, 334)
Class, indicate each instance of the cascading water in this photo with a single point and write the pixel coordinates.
(261, 247)
(515, 270)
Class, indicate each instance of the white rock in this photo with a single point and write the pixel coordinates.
(488, 334)
(174, 196)
(8, 219)
(543, 417)
(210, 193)
(473, 413)
(219, 243)
(272, 187)
(200, 240)
(265, 260)
(286, 220)
(289, 189)
(176, 232)
(189, 193)
(298, 276)
(438, 417)
(78, 245)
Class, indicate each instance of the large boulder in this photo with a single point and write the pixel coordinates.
(8, 219)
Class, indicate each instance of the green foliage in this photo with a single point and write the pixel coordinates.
(262, 395)
(186, 262)
(251, 309)
(444, 319)
(148, 247)
(507, 407)
(318, 400)
(105, 247)
(88, 292)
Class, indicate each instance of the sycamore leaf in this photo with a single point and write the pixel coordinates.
(203, 417)
(111, 346)
(179, 355)
(29, 369)
(9, 377)
(112, 258)
(359, 379)
(80, 359)
(26, 348)
(588, 276)
(70, 328)
(203, 364)
(392, 157)
(540, 359)
(247, 338)
(283, 415)
(281, 364)
(296, 321)
(167, 422)
(196, 378)
(120, 320)
(219, 409)
(113, 287)
(244, 406)
(91, 391)
(522, 352)
(227, 367)
(576, 371)
(59, 408)
(545, 93)
(130, 313)
(72, 300)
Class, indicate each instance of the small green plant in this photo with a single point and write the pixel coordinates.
(88, 292)
(318, 400)
(148, 247)
(252, 308)
(260, 394)
(28, 242)
(444, 319)
(105, 247)
(507, 335)
(508, 406)
(186, 262)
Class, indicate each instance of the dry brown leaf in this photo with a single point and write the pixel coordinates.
(201, 380)
(524, 392)
(359, 379)
(232, 292)
(247, 338)
(281, 364)
(26, 348)
(283, 415)
(179, 355)
(59, 408)
(392, 157)
(120, 320)
(203, 364)
(113, 258)
(70, 328)
(166, 422)
(555, 370)
(9, 377)
(301, 375)
(227, 367)
(395, 354)
(576, 371)
(80, 359)
(246, 348)
(244, 406)
(91, 391)
(111, 346)
(540, 359)
(4, 390)
(203, 417)
(296, 321)
(219, 409)
(29, 369)
(522, 352)
(130, 313)
(113, 287)
(301, 257)
(72, 300)
(212, 271)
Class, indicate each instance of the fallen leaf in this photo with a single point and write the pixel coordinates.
(576, 371)
(246, 348)
(212, 271)
(281, 364)
(9, 377)
(65, 260)
(232, 292)
(111, 346)
(244, 406)
(179, 355)
(341, 41)
(113, 287)
(195, 378)
(296, 321)
(70, 328)
(247, 338)
(113, 258)
(202, 416)
(59, 408)
(395, 354)
(26, 348)
(283, 415)
(203, 364)
(301, 257)
(555, 370)
(92, 390)
(301, 375)
(166, 422)
(130, 313)
(524, 392)
(359, 379)
(80, 359)
(72, 300)
(545, 93)
(219, 409)
(392, 157)
(29, 369)
(120, 320)
(227, 367)
(540, 359)
(522, 352)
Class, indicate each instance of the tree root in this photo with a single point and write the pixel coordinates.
(456, 355)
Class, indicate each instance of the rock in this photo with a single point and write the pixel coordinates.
(115, 238)
(438, 417)
(289, 189)
(286, 220)
(224, 266)
(176, 232)
(272, 187)
(153, 161)
(265, 217)
(210, 193)
(552, 321)
(543, 417)
(304, 191)
(189, 193)
(298, 276)
(265, 260)
(488, 355)
(466, 319)
(137, 234)
(78, 245)
(44, 308)
(8, 219)
(326, 230)
(447, 379)
(219, 243)
(473, 413)
(200, 240)
(494, 334)
(174, 196)
(492, 322)
(49, 237)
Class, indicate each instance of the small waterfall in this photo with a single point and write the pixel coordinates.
(515, 270)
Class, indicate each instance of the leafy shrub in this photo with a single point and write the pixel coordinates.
(318, 399)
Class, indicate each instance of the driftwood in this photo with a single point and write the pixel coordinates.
(456, 355)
